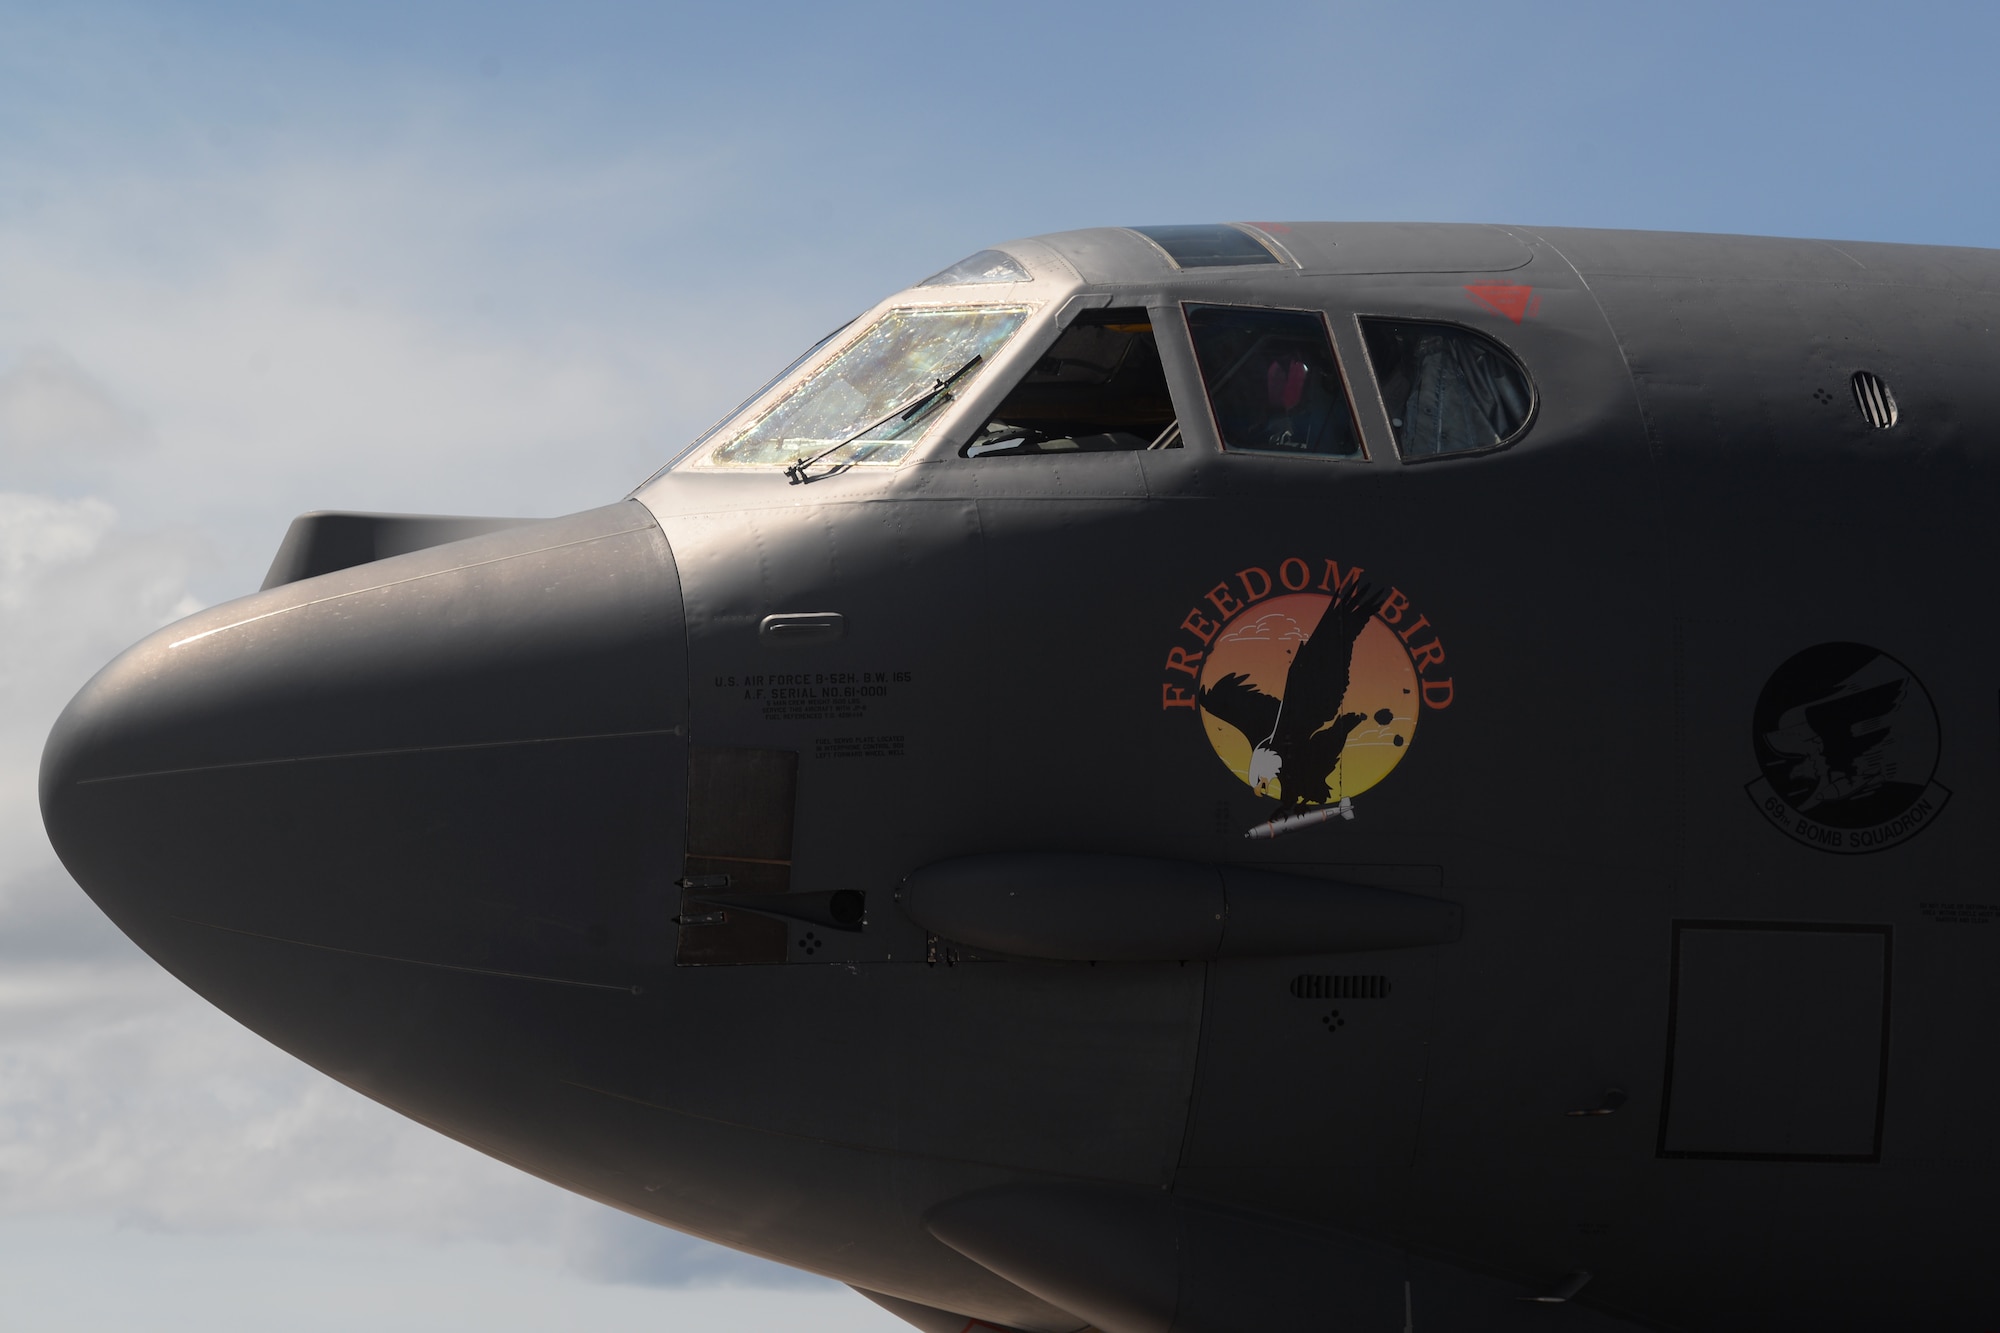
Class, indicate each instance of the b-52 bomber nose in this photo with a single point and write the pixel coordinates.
(461, 761)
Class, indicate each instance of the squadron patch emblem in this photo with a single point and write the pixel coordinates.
(1308, 682)
(1848, 741)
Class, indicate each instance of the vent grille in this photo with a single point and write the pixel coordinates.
(1340, 988)
(1872, 396)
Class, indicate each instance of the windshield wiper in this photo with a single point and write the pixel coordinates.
(802, 470)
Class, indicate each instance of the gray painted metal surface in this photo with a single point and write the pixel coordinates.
(631, 847)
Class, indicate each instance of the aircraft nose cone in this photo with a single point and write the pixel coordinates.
(468, 757)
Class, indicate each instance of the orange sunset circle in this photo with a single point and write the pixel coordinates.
(1260, 643)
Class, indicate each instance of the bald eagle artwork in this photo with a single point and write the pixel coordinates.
(1296, 740)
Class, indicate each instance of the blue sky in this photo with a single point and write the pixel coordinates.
(495, 258)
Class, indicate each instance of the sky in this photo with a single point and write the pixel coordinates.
(496, 258)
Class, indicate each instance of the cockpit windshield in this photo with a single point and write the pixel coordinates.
(891, 361)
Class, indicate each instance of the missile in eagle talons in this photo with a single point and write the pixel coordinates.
(1273, 827)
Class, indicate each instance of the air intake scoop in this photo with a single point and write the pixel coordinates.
(1135, 909)
(328, 540)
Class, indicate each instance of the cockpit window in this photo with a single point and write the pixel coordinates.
(1273, 381)
(893, 361)
(1448, 389)
(1100, 387)
(986, 266)
(755, 394)
(1208, 245)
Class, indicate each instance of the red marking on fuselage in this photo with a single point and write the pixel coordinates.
(1511, 299)
(1275, 228)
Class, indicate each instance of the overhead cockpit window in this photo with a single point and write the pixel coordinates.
(986, 266)
(1209, 245)
(1273, 381)
(1448, 390)
(850, 404)
(1100, 387)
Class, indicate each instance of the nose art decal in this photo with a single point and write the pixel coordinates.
(1308, 685)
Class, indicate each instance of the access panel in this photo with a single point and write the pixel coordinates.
(739, 842)
(1778, 1045)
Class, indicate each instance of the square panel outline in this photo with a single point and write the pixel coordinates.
(1874, 1155)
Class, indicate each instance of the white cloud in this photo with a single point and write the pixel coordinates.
(40, 532)
(54, 417)
(123, 1095)
(80, 1276)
